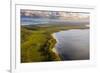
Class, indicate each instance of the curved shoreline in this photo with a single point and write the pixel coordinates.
(54, 49)
(70, 57)
(44, 44)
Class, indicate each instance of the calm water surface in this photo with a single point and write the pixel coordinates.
(73, 44)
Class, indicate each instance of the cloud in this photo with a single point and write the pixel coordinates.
(55, 14)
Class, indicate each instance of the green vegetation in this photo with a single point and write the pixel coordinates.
(37, 42)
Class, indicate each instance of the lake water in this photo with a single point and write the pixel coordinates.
(73, 44)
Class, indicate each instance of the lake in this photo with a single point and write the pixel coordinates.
(73, 44)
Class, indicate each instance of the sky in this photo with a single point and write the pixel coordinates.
(55, 14)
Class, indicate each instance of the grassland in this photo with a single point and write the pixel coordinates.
(37, 42)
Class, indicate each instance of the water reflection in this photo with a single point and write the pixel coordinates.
(73, 44)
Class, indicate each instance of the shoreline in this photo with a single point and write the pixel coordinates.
(54, 49)
(47, 38)
(54, 37)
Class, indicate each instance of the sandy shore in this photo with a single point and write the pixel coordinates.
(54, 36)
(54, 49)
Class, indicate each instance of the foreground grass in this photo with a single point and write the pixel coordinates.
(37, 43)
